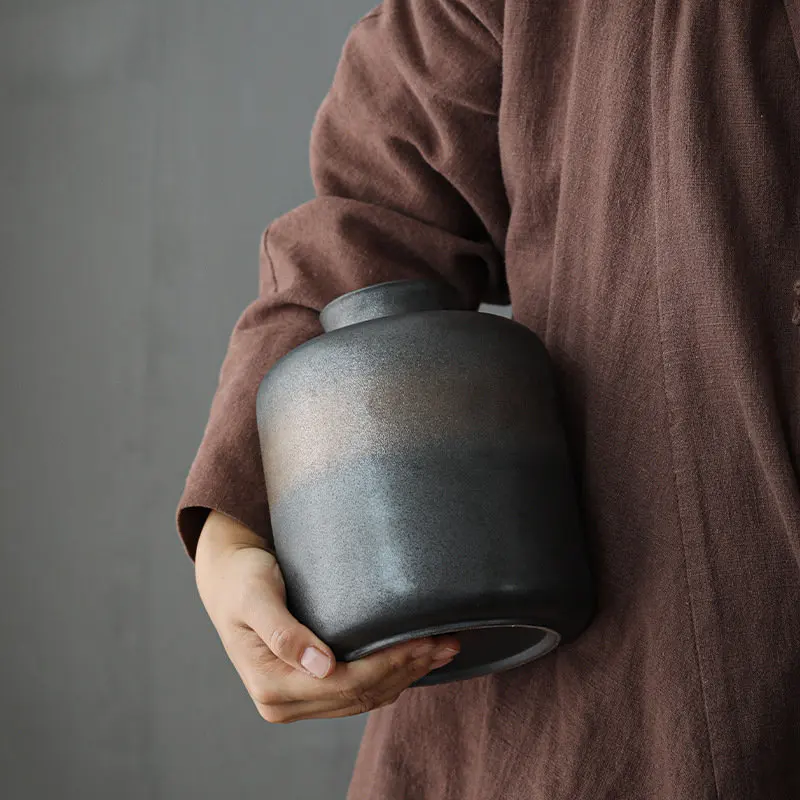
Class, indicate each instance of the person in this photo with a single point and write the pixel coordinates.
(628, 175)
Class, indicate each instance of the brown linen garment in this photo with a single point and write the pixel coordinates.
(632, 170)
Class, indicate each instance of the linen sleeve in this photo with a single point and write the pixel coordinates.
(408, 183)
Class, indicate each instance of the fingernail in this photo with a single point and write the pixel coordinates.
(315, 662)
(440, 662)
(445, 653)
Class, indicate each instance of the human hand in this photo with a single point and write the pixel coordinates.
(242, 589)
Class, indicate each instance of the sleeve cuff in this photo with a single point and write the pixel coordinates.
(196, 503)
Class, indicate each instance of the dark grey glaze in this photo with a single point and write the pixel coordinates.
(419, 482)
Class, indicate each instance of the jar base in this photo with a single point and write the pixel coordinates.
(486, 647)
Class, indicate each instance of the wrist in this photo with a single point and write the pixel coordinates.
(221, 533)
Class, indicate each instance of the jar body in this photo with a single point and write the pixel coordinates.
(419, 483)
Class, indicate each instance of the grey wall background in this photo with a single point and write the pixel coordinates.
(144, 146)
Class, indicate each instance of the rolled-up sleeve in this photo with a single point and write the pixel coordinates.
(408, 183)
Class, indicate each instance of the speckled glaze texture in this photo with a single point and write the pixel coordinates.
(419, 483)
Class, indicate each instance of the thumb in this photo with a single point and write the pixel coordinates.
(290, 640)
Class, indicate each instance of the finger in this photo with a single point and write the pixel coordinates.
(350, 703)
(374, 676)
(390, 666)
(287, 638)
